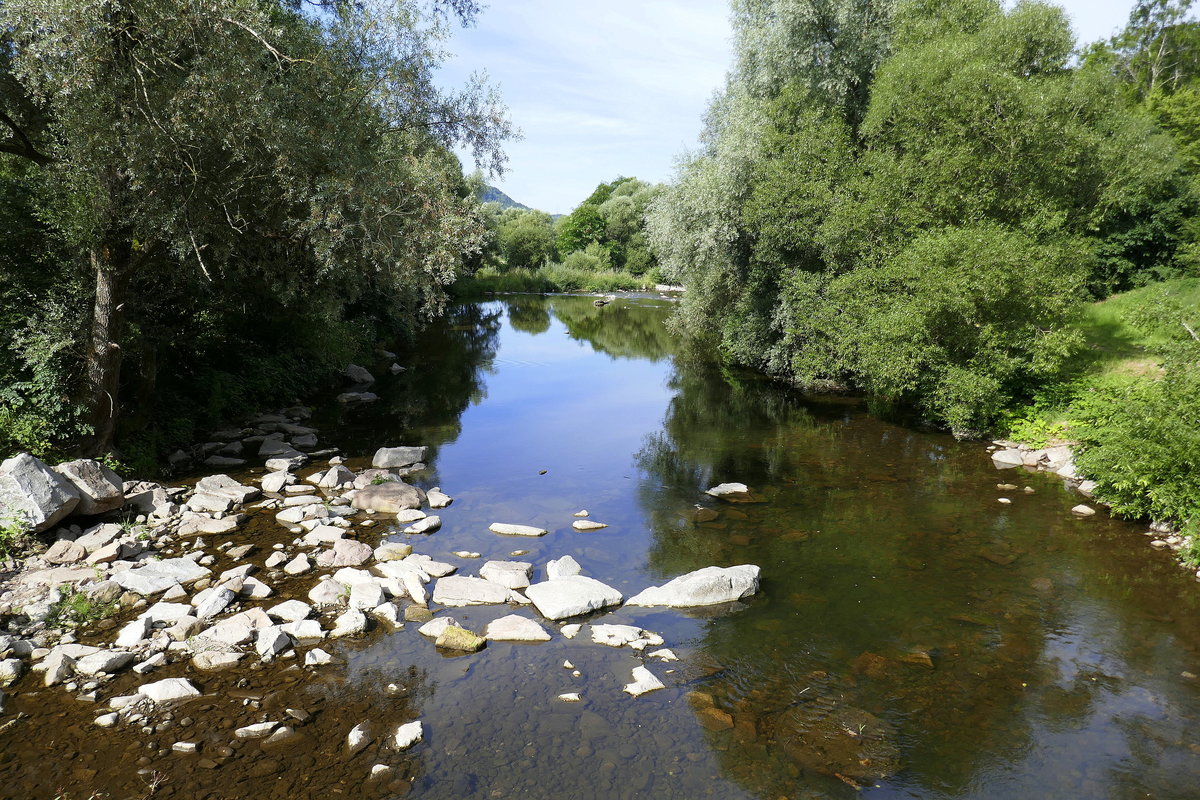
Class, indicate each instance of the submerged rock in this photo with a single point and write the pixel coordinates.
(704, 587)
(507, 529)
(456, 638)
(389, 498)
(643, 681)
(730, 491)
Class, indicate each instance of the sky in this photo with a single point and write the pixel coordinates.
(618, 88)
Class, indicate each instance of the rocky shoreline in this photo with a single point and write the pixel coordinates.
(195, 576)
(1058, 460)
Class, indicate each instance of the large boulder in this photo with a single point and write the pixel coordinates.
(393, 457)
(35, 494)
(99, 488)
(571, 596)
(389, 498)
(359, 375)
(704, 587)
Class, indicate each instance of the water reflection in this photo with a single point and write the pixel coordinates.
(913, 636)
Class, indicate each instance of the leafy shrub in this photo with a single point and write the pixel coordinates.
(1141, 444)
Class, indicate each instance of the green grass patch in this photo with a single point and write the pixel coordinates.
(76, 608)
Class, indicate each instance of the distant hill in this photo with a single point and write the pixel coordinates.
(491, 194)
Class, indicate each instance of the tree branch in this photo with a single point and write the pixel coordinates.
(22, 147)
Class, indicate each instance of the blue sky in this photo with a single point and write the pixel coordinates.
(619, 87)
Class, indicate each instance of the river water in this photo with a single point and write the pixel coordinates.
(913, 636)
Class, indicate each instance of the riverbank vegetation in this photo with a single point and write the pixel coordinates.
(928, 202)
(601, 246)
(210, 207)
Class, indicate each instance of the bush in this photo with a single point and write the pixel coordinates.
(1141, 444)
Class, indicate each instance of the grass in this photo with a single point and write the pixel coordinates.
(551, 278)
(1124, 340)
(76, 608)
(13, 536)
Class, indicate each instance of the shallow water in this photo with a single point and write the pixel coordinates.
(913, 636)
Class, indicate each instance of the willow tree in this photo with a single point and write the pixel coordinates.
(193, 136)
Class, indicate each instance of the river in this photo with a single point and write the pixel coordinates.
(913, 637)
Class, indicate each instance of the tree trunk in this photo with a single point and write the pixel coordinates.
(104, 353)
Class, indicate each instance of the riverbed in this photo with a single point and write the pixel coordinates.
(913, 636)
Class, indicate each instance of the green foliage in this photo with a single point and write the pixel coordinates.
(925, 235)
(250, 193)
(14, 536)
(581, 227)
(1142, 443)
(75, 608)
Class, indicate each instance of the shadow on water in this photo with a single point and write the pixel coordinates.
(913, 637)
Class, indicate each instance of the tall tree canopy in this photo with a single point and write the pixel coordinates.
(188, 147)
(910, 197)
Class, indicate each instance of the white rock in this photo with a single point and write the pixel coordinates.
(168, 689)
(704, 587)
(729, 491)
(1007, 459)
(10, 670)
(212, 661)
(438, 499)
(211, 602)
(437, 569)
(515, 628)
(106, 720)
(434, 627)
(350, 623)
(393, 457)
(408, 734)
(365, 596)
(303, 629)
(328, 593)
(415, 587)
(392, 551)
(1083, 511)
(99, 488)
(389, 613)
(151, 663)
(133, 633)
(664, 654)
(457, 590)
(358, 738)
(516, 530)
(570, 697)
(271, 641)
(510, 574)
(158, 576)
(274, 482)
(317, 658)
(466, 554)
(571, 631)
(184, 747)
(256, 731)
(163, 612)
(615, 635)
(291, 610)
(563, 567)
(571, 596)
(643, 681)
(323, 534)
(426, 525)
(38, 495)
(587, 525)
(583, 512)
(106, 661)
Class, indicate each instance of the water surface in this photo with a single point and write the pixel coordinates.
(913, 636)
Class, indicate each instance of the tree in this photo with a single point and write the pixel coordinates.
(208, 141)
